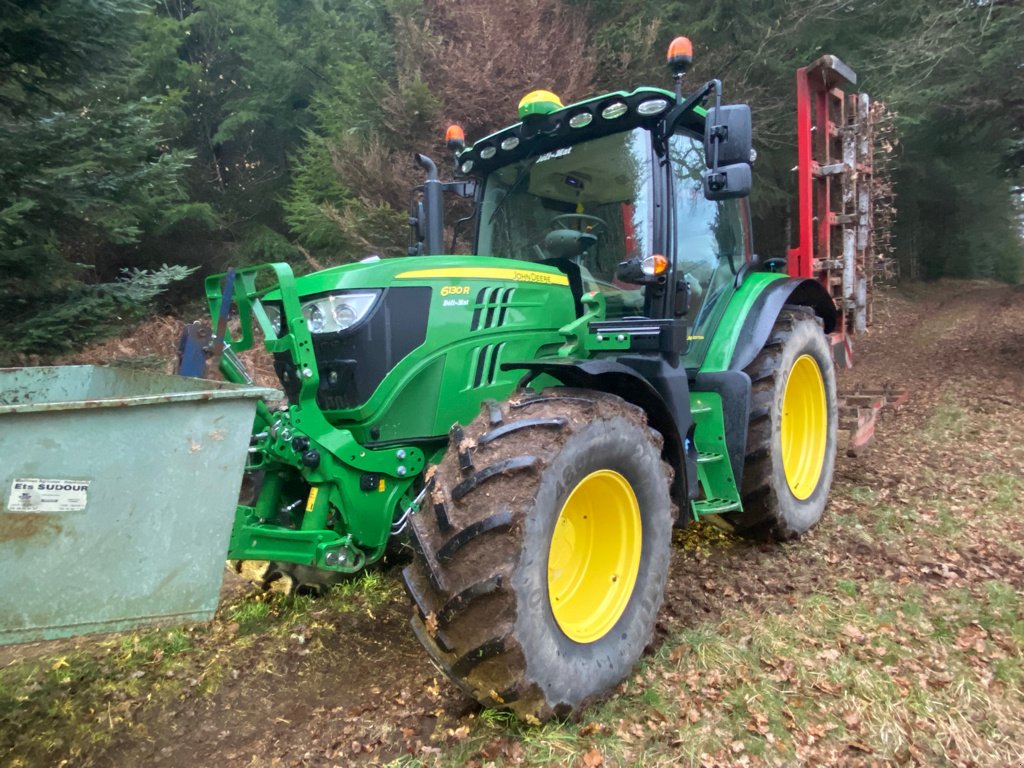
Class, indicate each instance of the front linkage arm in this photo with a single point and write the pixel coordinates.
(325, 500)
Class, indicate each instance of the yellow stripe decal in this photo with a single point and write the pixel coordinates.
(487, 273)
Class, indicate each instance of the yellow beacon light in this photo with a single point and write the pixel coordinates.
(539, 103)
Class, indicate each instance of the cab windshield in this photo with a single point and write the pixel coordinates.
(582, 208)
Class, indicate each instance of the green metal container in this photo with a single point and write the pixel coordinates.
(117, 494)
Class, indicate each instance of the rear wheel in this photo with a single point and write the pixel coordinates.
(791, 440)
(541, 566)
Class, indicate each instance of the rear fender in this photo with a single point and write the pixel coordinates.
(765, 311)
(741, 334)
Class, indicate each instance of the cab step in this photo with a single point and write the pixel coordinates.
(718, 492)
(706, 507)
(709, 458)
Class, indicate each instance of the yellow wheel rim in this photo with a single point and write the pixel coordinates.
(804, 426)
(594, 556)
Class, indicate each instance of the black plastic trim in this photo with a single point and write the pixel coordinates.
(647, 381)
(758, 324)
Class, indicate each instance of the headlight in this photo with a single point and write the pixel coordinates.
(330, 314)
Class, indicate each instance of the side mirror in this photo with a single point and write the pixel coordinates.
(728, 182)
(729, 127)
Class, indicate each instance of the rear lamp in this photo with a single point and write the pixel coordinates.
(510, 143)
(467, 166)
(488, 152)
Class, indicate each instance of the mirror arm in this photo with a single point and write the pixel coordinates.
(716, 134)
(668, 124)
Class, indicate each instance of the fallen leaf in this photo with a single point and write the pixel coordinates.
(853, 632)
(593, 758)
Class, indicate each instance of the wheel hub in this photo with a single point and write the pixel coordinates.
(594, 556)
(804, 429)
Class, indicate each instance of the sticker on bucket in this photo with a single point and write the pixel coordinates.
(34, 495)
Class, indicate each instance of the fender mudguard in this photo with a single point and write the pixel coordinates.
(647, 382)
(757, 325)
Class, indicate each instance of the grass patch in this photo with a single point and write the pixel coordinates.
(69, 706)
(889, 671)
(948, 420)
(70, 703)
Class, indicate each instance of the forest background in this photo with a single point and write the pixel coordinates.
(145, 144)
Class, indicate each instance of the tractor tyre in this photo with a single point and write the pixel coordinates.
(542, 553)
(791, 439)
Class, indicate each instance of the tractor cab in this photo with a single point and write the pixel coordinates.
(619, 194)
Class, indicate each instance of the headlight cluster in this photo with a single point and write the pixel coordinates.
(328, 314)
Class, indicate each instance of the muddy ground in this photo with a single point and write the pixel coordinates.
(342, 681)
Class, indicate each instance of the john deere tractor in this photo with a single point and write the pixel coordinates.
(612, 360)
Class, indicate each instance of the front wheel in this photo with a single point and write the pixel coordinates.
(791, 439)
(541, 567)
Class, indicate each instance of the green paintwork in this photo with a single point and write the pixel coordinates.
(339, 514)
(714, 471)
(727, 333)
(412, 409)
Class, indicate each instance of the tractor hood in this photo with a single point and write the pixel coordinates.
(389, 335)
(377, 273)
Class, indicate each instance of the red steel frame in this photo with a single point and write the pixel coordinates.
(834, 246)
(833, 186)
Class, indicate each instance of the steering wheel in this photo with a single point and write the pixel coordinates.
(599, 224)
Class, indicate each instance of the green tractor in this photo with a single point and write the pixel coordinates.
(612, 361)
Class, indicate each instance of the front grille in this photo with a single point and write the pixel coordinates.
(353, 363)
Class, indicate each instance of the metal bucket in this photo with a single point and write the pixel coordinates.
(117, 494)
